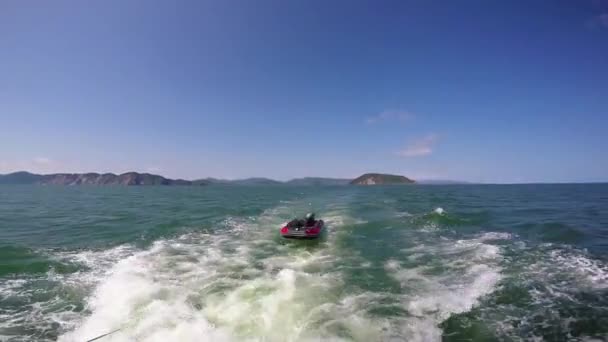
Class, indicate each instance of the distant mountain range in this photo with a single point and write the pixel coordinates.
(129, 178)
(135, 178)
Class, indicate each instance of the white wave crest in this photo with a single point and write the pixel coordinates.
(431, 296)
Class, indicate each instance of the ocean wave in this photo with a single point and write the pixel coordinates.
(447, 277)
(35, 304)
(550, 292)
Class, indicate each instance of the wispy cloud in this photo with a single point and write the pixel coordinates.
(42, 160)
(390, 115)
(599, 21)
(420, 147)
(603, 19)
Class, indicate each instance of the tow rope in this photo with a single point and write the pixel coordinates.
(104, 335)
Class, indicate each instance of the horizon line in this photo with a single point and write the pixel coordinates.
(455, 182)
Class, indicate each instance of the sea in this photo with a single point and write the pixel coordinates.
(396, 263)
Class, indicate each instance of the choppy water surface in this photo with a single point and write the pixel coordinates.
(416, 263)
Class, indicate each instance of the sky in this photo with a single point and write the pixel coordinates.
(482, 91)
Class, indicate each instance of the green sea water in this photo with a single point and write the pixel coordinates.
(398, 263)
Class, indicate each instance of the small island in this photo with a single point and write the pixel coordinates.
(381, 179)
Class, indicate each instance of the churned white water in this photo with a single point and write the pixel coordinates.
(247, 286)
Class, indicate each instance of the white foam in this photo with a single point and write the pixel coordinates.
(430, 227)
(145, 303)
(478, 249)
(392, 265)
(224, 288)
(495, 236)
(431, 297)
(140, 297)
(590, 272)
(10, 287)
(335, 220)
(403, 214)
(554, 276)
(202, 286)
(475, 248)
(455, 297)
(43, 313)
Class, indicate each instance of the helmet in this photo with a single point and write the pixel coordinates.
(310, 216)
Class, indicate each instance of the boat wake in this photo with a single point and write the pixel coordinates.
(412, 278)
(229, 286)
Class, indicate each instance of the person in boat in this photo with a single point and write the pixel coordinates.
(310, 219)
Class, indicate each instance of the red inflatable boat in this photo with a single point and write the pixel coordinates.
(303, 229)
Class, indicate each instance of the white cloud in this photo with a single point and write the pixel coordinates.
(598, 21)
(42, 160)
(420, 147)
(390, 115)
(603, 19)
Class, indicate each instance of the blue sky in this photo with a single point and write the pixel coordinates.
(491, 91)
